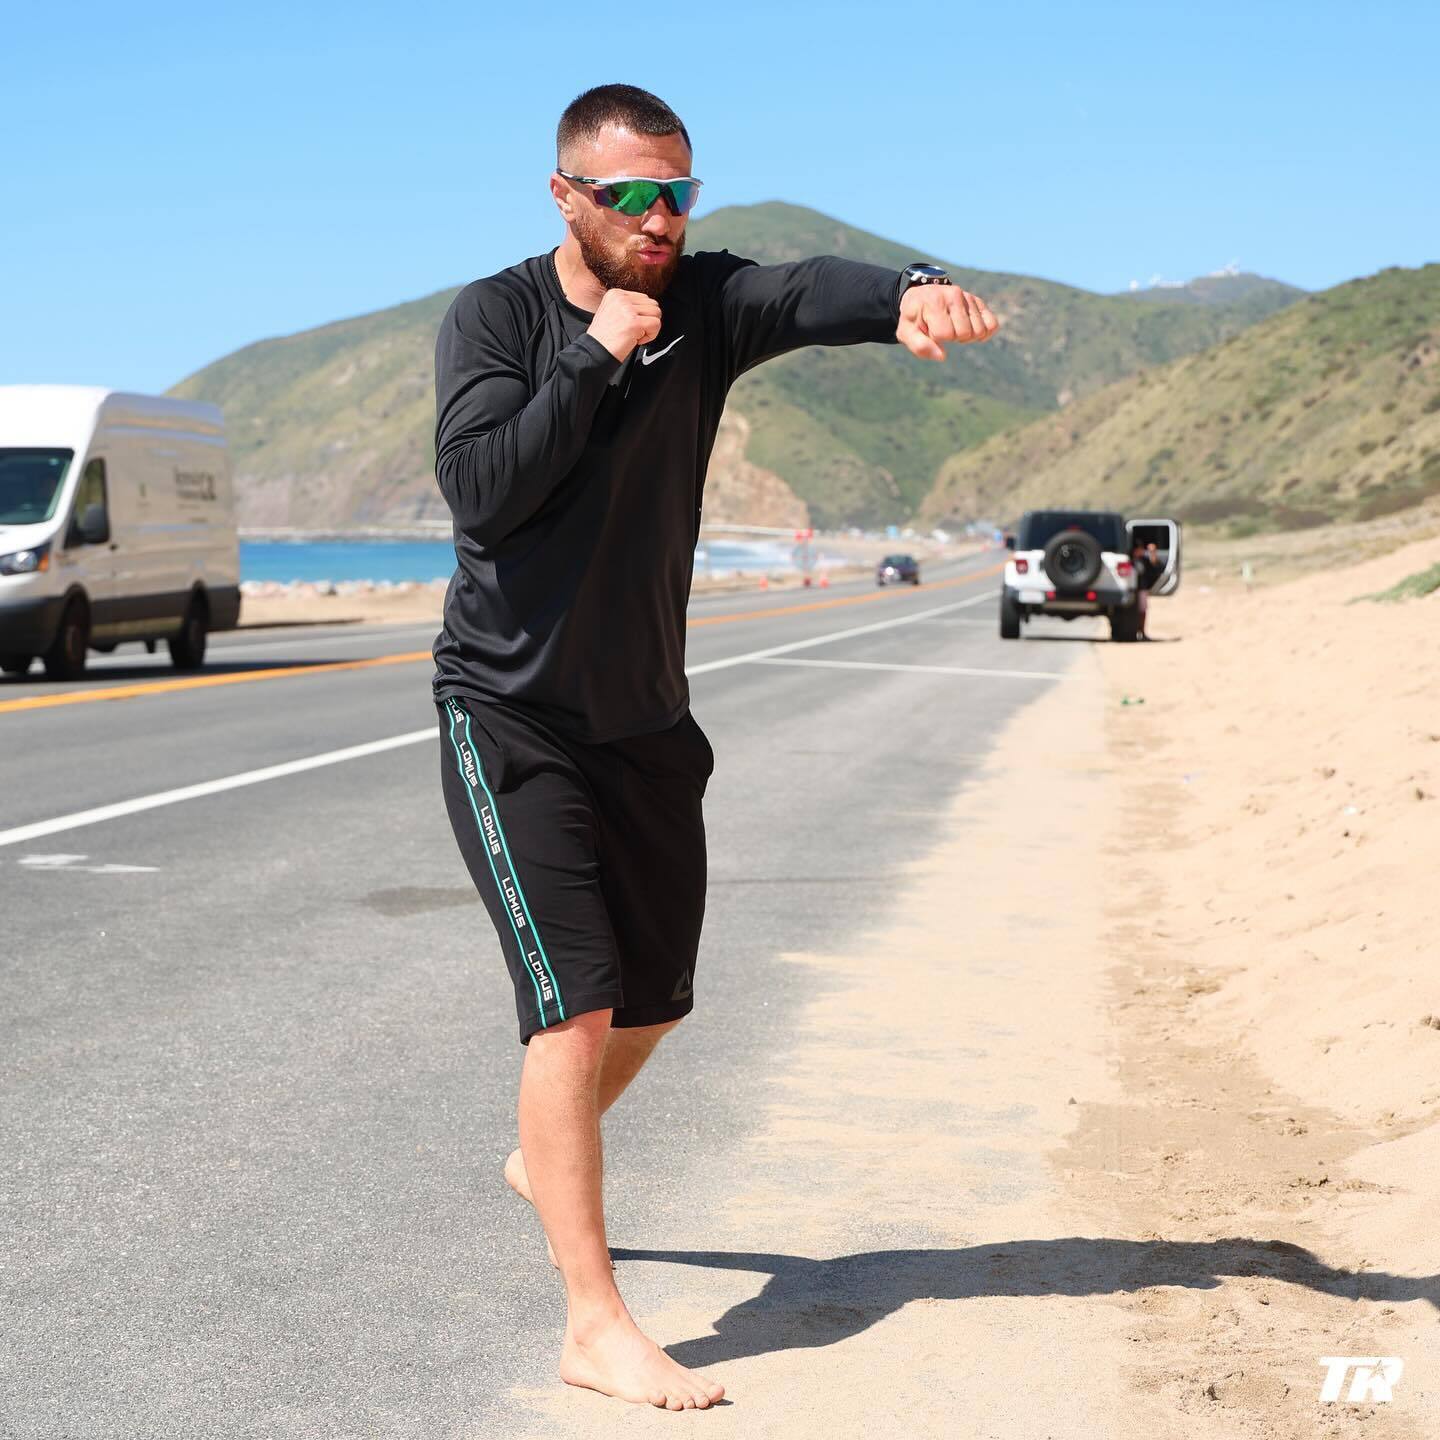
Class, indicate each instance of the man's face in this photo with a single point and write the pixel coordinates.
(625, 252)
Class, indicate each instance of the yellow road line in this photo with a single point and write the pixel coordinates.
(198, 682)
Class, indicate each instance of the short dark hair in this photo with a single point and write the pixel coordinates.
(626, 105)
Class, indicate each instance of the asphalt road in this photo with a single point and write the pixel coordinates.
(259, 1051)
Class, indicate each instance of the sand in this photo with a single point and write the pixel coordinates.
(1139, 1159)
(1293, 742)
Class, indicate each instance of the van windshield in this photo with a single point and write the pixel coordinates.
(30, 484)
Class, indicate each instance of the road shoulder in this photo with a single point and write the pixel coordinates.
(896, 1249)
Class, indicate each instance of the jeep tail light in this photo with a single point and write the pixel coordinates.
(1022, 565)
(1089, 594)
(1124, 568)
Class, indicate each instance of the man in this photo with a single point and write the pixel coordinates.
(577, 398)
(1148, 569)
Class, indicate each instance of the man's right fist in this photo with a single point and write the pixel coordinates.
(625, 319)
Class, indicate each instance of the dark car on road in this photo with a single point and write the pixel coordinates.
(897, 569)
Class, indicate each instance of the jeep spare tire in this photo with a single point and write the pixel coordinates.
(1072, 560)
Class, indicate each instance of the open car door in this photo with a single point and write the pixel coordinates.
(1165, 536)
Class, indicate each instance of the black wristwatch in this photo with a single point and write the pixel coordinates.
(923, 274)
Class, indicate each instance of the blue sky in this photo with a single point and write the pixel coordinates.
(183, 181)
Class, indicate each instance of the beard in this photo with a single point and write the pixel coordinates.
(616, 267)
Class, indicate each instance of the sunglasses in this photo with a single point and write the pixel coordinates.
(635, 194)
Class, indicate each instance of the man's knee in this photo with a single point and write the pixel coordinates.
(643, 1036)
(658, 1029)
(579, 1039)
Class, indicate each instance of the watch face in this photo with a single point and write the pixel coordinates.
(926, 272)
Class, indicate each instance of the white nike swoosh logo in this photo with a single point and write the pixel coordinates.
(648, 359)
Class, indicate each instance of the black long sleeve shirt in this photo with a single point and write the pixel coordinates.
(575, 480)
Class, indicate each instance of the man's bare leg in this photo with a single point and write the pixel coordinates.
(626, 1051)
(560, 1135)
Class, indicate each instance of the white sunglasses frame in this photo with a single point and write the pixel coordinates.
(599, 182)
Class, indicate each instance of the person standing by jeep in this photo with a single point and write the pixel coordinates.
(1144, 579)
(578, 394)
(1148, 569)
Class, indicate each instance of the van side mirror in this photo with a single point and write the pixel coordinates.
(1009, 542)
(94, 525)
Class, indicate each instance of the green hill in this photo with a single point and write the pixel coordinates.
(860, 433)
(1239, 292)
(1329, 409)
(333, 427)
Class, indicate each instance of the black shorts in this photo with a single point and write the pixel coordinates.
(589, 858)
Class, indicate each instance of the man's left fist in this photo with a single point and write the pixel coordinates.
(932, 316)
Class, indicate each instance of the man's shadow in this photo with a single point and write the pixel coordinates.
(809, 1303)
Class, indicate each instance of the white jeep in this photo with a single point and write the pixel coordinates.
(1087, 562)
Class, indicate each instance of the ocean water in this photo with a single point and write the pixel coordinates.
(393, 560)
(424, 560)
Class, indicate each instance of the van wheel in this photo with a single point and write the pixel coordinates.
(187, 649)
(65, 659)
(15, 664)
(1009, 616)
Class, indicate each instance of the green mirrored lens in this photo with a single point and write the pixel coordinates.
(683, 193)
(633, 197)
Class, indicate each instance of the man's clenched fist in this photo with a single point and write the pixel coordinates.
(625, 319)
(932, 316)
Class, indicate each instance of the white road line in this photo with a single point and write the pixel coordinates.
(414, 737)
(922, 669)
(71, 863)
(208, 787)
(754, 655)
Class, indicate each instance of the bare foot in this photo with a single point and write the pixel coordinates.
(616, 1358)
(519, 1182)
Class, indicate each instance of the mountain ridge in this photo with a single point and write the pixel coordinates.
(1326, 410)
(334, 425)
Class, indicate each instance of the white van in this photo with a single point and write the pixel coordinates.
(117, 523)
